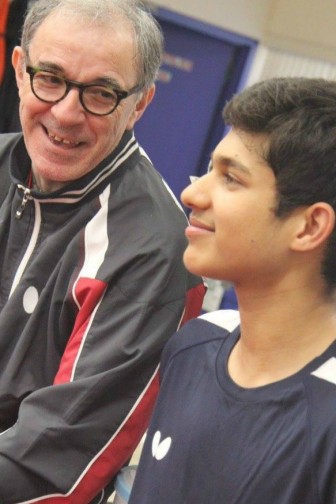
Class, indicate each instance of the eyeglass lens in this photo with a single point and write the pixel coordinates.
(52, 88)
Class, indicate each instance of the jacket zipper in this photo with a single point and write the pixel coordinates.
(32, 241)
(26, 197)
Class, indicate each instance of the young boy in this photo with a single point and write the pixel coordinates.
(247, 415)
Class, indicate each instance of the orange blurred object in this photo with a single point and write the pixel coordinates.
(4, 8)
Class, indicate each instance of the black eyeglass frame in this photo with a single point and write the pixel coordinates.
(121, 95)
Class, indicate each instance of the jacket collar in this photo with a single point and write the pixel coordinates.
(20, 169)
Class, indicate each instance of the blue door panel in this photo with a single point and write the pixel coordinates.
(176, 128)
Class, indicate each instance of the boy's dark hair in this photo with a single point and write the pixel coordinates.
(299, 116)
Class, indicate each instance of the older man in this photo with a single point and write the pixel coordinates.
(91, 244)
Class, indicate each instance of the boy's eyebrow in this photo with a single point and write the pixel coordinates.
(228, 162)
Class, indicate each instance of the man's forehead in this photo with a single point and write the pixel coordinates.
(70, 40)
(115, 26)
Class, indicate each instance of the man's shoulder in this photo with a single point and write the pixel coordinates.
(7, 140)
(153, 213)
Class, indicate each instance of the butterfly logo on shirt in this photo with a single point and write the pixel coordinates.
(160, 448)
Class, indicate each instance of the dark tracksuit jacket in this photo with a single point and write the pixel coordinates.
(92, 286)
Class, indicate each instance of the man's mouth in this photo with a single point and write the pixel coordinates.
(60, 140)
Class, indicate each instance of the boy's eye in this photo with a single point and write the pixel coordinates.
(229, 178)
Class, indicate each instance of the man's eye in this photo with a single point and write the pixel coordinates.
(108, 95)
(102, 94)
(48, 79)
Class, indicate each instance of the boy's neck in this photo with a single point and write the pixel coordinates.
(280, 336)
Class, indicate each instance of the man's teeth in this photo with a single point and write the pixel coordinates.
(61, 140)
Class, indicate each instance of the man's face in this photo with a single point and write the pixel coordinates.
(63, 140)
(234, 234)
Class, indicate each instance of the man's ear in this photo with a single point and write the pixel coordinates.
(314, 227)
(18, 64)
(141, 106)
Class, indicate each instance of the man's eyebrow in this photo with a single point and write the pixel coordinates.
(49, 66)
(101, 81)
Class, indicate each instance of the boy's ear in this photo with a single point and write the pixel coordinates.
(315, 226)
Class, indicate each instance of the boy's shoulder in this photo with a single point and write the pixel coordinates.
(204, 329)
(227, 319)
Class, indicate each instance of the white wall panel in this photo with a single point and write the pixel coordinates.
(246, 17)
(270, 62)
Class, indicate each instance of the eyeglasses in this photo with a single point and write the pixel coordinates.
(95, 99)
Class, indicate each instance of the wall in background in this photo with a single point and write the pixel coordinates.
(304, 27)
(202, 67)
(246, 17)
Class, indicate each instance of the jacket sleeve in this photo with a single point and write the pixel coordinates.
(72, 437)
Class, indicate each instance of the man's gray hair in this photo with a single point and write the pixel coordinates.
(147, 33)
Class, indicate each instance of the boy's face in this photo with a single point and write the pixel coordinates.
(233, 233)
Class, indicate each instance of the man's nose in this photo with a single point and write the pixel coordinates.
(70, 107)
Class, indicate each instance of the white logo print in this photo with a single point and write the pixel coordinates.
(160, 448)
(30, 299)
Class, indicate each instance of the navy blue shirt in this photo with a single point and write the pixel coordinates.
(211, 441)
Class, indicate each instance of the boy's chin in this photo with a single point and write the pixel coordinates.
(193, 263)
